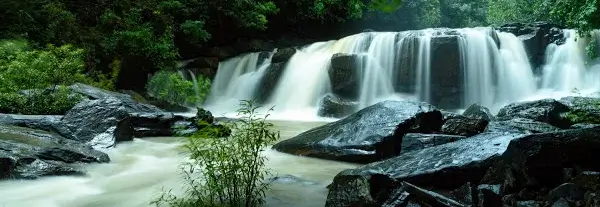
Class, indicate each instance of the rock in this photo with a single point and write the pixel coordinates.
(269, 81)
(489, 195)
(520, 125)
(583, 110)
(592, 199)
(447, 166)
(283, 55)
(344, 74)
(204, 115)
(588, 180)
(464, 194)
(336, 107)
(528, 204)
(584, 126)
(30, 154)
(154, 124)
(100, 122)
(373, 133)
(136, 96)
(450, 115)
(538, 160)
(545, 110)
(429, 198)
(446, 91)
(464, 126)
(568, 191)
(561, 203)
(536, 38)
(415, 142)
(398, 198)
(184, 128)
(49, 123)
(166, 106)
(92, 92)
(478, 112)
(204, 62)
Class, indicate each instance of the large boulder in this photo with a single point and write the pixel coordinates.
(336, 107)
(51, 123)
(344, 74)
(103, 122)
(464, 126)
(583, 110)
(447, 166)
(446, 90)
(154, 124)
(479, 112)
(508, 168)
(373, 133)
(283, 55)
(92, 92)
(546, 110)
(416, 141)
(520, 125)
(29, 154)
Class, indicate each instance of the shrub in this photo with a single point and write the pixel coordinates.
(226, 171)
(171, 87)
(39, 101)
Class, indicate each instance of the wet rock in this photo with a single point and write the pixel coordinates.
(415, 142)
(336, 107)
(588, 180)
(184, 128)
(464, 126)
(371, 134)
(561, 203)
(464, 194)
(429, 198)
(528, 204)
(592, 199)
(583, 110)
(446, 166)
(538, 160)
(520, 125)
(489, 195)
(205, 116)
(99, 122)
(584, 126)
(29, 154)
(545, 110)
(344, 75)
(478, 112)
(269, 81)
(449, 115)
(283, 55)
(398, 198)
(446, 91)
(153, 124)
(92, 92)
(49, 123)
(569, 191)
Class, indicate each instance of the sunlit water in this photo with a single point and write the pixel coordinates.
(140, 169)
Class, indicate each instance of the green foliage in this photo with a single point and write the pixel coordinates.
(227, 171)
(592, 49)
(510, 11)
(171, 87)
(583, 116)
(580, 14)
(33, 102)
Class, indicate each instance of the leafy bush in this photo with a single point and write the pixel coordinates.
(171, 87)
(226, 171)
(31, 102)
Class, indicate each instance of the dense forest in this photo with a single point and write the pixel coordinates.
(117, 44)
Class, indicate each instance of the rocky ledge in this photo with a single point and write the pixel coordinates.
(536, 153)
(32, 146)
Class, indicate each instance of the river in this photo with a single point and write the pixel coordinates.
(139, 170)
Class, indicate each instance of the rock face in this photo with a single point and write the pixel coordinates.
(507, 169)
(583, 110)
(42, 122)
(520, 125)
(102, 122)
(546, 110)
(536, 37)
(29, 154)
(416, 142)
(373, 133)
(345, 75)
(153, 124)
(446, 91)
(336, 107)
(269, 81)
(464, 126)
(283, 55)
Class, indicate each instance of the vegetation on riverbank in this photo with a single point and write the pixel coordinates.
(171, 87)
(226, 171)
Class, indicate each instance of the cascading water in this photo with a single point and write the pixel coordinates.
(492, 69)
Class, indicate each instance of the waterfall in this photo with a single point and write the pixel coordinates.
(451, 68)
(195, 82)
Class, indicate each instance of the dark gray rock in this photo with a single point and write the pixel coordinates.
(520, 125)
(336, 107)
(371, 134)
(568, 191)
(92, 92)
(446, 166)
(29, 154)
(283, 55)
(154, 124)
(478, 112)
(100, 122)
(415, 142)
(489, 195)
(269, 81)
(546, 110)
(528, 204)
(446, 91)
(538, 160)
(204, 115)
(464, 126)
(49, 123)
(588, 180)
(345, 75)
(583, 110)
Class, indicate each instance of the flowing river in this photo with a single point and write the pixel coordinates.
(139, 170)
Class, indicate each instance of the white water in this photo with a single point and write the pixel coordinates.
(140, 169)
(492, 76)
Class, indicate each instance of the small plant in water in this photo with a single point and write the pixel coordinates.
(226, 171)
